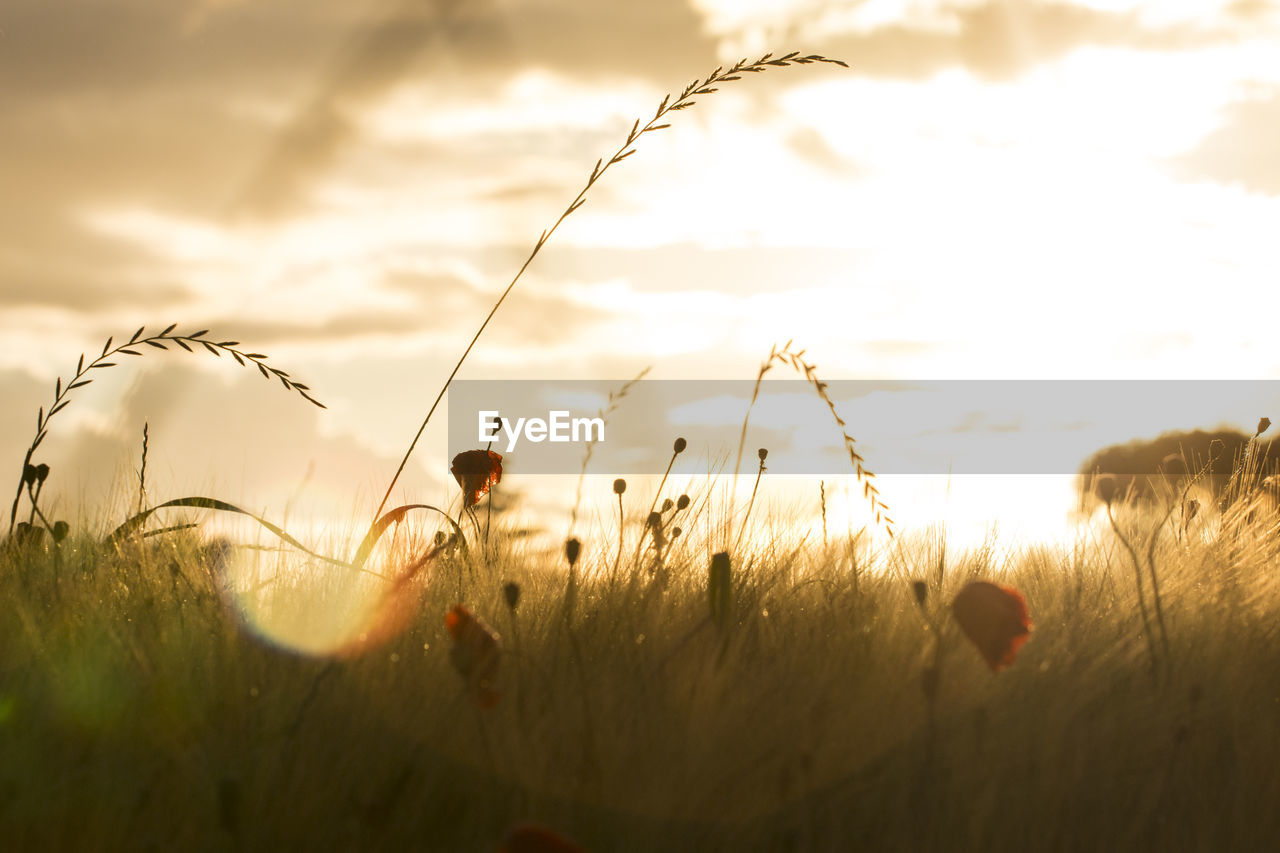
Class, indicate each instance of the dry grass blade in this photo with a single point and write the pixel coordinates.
(189, 343)
(135, 522)
(795, 360)
(683, 101)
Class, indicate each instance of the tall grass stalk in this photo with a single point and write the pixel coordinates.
(795, 360)
(142, 467)
(683, 101)
(763, 453)
(136, 346)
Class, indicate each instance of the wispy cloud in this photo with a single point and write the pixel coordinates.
(1242, 149)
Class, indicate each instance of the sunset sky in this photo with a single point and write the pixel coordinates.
(991, 190)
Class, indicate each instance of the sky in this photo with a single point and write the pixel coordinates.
(990, 190)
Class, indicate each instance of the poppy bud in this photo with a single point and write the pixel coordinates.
(619, 486)
(28, 534)
(719, 588)
(667, 505)
(42, 473)
(512, 593)
(680, 445)
(1263, 425)
(29, 475)
(682, 502)
(675, 532)
(762, 453)
(60, 530)
(572, 547)
(1106, 488)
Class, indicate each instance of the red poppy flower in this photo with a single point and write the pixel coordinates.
(532, 838)
(476, 471)
(995, 619)
(476, 652)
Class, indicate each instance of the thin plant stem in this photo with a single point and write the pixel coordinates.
(1155, 595)
(796, 361)
(621, 536)
(488, 513)
(34, 496)
(822, 501)
(142, 470)
(654, 502)
(743, 527)
(1137, 577)
(685, 100)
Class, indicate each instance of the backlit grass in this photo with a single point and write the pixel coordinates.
(138, 709)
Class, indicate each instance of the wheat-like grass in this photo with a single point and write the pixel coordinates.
(801, 664)
(683, 101)
(795, 360)
(136, 346)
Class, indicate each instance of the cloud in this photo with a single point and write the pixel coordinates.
(254, 103)
(376, 59)
(74, 153)
(1242, 150)
(672, 267)
(526, 191)
(87, 48)
(1001, 39)
(899, 349)
(22, 393)
(1253, 10)
(331, 330)
(436, 303)
(813, 148)
(81, 287)
(478, 40)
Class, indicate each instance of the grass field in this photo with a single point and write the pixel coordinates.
(136, 710)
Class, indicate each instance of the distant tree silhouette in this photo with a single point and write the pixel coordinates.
(1144, 470)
